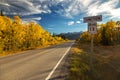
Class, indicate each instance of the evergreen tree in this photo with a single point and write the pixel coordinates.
(1, 13)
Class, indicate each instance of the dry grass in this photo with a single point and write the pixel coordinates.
(76, 50)
(106, 60)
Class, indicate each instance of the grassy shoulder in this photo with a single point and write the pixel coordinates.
(106, 64)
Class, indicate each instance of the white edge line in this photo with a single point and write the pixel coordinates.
(53, 70)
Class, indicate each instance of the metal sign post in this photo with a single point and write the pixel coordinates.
(91, 55)
(92, 29)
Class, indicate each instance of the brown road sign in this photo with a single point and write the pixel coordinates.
(92, 19)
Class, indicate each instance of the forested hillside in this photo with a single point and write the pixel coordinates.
(16, 35)
(71, 35)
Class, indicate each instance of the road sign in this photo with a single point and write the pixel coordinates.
(92, 28)
(92, 19)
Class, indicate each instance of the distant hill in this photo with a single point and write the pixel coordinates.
(71, 35)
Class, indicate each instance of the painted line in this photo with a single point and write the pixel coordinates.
(53, 70)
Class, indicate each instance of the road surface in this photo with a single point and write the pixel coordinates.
(38, 64)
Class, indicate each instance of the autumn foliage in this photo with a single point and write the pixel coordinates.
(16, 35)
(108, 34)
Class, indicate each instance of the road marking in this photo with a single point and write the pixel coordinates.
(53, 70)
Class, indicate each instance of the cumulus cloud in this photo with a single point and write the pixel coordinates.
(78, 22)
(71, 23)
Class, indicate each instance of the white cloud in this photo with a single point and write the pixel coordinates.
(78, 22)
(81, 19)
(91, 7)
(5, 4)
(24, 7)
(75, 7)
(31, 19)
(68, 8)
(28, 20)
(71, 23)
(38, 18)
(115, 13)
(106, 8)
(86, 3)
(72, 9)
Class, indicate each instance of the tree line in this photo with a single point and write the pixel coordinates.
(16, 35)
(107, 34)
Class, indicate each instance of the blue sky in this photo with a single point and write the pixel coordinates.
(60, 16)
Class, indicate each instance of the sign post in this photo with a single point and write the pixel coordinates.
(92, 29)
(118, 28)
(91, 55)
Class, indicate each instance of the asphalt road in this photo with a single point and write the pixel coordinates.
(38, 64)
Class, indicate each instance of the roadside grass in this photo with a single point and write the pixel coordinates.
(106, 62)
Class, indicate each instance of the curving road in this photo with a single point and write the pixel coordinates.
(38, 64)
